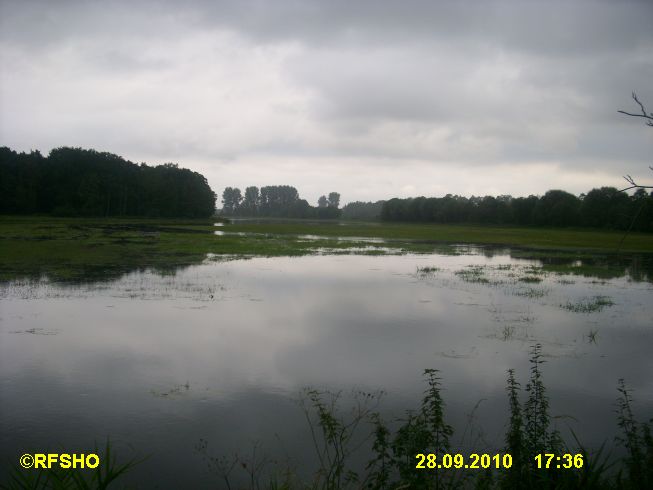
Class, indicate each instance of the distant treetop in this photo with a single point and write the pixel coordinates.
(278, 201)
(79, 182)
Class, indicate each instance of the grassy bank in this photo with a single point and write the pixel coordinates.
(546, 238)
(74, 248)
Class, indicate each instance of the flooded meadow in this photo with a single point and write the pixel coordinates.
(212, 359)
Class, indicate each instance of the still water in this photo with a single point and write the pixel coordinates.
(221, 351)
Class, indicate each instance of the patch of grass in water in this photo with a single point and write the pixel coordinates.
(533, 270)
(473, 274)
(589, 305)
(532, 293)
(592, 336)
(601, 271)
(565, 281)
(508, 333)
(530, 279)
(596, 281)
(427, 271)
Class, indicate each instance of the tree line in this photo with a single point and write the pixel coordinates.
(278, 201)
(606, 207)
(365, 211)
(80, 182)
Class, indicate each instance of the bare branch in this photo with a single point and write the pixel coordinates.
(633, 184)
(636, 187)
(649, 121)
(639, 103)
(648, 117)
(628, 178)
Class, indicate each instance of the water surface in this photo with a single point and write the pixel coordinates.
(221, 351)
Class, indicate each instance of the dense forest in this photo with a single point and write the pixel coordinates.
(606, 207)
(369, 211)
(78, 182)
(277, 201)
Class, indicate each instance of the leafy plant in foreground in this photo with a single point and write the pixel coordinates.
(637, 441)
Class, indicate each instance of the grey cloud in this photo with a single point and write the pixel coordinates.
(382, 83)
(555, 27)
(561, 27)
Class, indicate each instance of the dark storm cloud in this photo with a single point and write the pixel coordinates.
(553, 27)
(232, 86)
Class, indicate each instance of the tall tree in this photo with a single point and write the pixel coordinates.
(334, 200)
(251, 201)
(231, 198)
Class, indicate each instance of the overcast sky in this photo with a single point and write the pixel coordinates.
(373, 99)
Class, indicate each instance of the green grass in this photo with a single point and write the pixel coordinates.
(530, 279)
(473, 274)
(427, 271)
(543, 238)
(589, 305)
(91, 248)
(531, 293)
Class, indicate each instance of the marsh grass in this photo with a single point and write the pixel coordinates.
(533, 270)
(589, 305)
(532, 293)
(74, 249)
(508, 332)
(530, 279)
(175, 391)
(565, 282)
(592, 336)
(636, 438)
(427, 271)
(586, 269)
(566, 242)
(473, 274)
